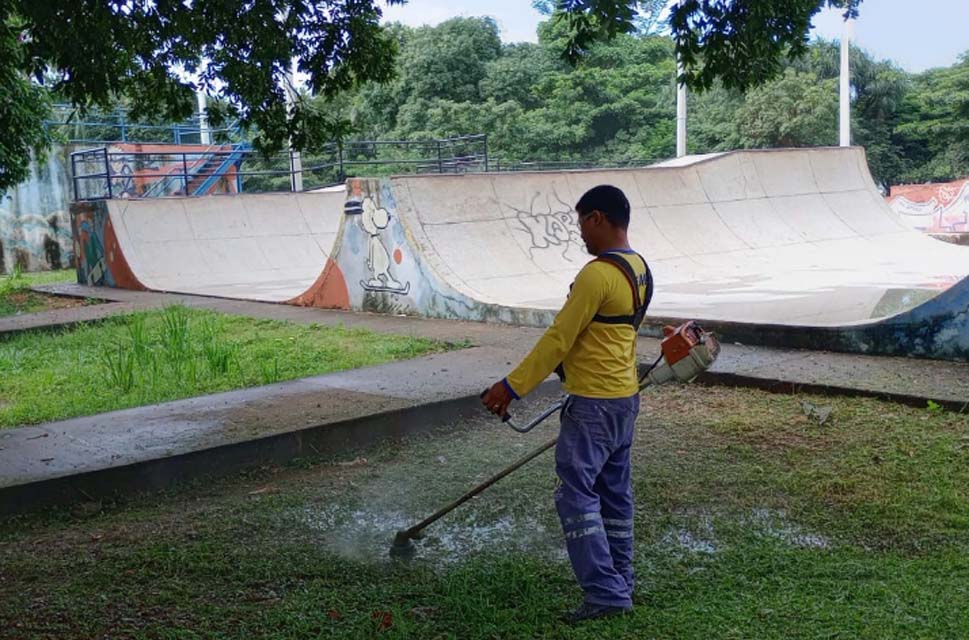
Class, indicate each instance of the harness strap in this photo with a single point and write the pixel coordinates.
(639, 307)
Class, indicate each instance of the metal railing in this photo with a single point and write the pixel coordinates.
(117, 126)
(101, 173)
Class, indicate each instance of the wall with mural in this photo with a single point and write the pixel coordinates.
(35, 227)
(933, 207)
(100, 261)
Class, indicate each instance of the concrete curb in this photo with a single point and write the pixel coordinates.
(165, 473)
(721, 379)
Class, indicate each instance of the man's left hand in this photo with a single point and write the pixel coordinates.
(497, 398)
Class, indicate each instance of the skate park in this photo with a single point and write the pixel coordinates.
(394, 255)
(264, 376)
(763, 247)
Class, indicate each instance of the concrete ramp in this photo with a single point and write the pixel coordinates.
(790, 237)
(269, 247)
(786, 247)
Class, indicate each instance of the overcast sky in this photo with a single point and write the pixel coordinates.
(916, 35)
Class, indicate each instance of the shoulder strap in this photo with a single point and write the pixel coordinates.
(639, 306)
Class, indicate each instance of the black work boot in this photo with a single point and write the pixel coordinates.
(589, 611)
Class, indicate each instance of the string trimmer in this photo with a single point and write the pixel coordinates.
(685, 352)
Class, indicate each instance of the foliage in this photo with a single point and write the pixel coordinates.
(23, 108)
(934, 132)
(95, 52)
(741, 43)
(145, 358)
(794, 111)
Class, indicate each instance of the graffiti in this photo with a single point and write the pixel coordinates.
(373, 220)
(34, 225)
(934, 208)
(91, 267)
(557, 226)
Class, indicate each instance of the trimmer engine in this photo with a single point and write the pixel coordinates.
(688, 351)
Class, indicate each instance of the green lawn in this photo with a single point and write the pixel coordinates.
(16, 296)
(752, 522)
(144, 358)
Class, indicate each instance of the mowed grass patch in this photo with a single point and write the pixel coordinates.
(16, 296)
(752, 521)
(144, 358)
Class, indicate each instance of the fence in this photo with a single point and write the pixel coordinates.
(117, 126)
(233, 168)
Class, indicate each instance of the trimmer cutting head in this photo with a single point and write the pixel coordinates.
(403, 546)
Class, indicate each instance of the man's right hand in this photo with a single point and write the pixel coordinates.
(497, 398)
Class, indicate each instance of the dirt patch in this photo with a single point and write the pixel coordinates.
(33, 302)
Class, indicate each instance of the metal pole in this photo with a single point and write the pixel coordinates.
(124, 137)
(295, 160)
(486, 151)
(844, 135)
(440, 164)
(74, 175)
(107, 173)
(343, 173)
(184, 175)
(205, 137)
(680, 107)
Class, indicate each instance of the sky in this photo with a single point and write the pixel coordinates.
(915, 35)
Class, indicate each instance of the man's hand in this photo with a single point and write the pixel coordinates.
(497, 398)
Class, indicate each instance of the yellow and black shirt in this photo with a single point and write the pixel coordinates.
(599, 358)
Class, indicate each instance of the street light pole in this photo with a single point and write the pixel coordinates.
(844, 136)
(680, 107)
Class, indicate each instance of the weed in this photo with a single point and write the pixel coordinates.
(269, 371)
(120, 366)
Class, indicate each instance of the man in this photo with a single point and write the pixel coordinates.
(592, 345)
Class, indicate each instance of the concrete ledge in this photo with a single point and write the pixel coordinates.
(165, 473)
(724, 379)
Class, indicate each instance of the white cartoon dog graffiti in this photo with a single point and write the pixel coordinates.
(373, 219)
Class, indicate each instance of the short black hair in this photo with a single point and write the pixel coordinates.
(610, 200)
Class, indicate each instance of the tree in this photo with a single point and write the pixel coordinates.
(796, 110)
(646, 20)
(740, 42)
(934, 127)
(450, 60)
(23, 108)
(148, 50)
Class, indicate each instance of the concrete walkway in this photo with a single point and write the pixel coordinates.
(154, 447)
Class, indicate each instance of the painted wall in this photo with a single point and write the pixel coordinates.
(35, 227)
(100, 261)
(933, 207)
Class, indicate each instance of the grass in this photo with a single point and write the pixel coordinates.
(16, 296)
(752, 522)
(144, 358)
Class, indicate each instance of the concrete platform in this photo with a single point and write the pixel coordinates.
(159, 446)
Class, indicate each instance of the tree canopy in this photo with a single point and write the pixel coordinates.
(598, 86)
(155, 53)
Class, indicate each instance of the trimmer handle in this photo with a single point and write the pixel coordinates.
(537, 420)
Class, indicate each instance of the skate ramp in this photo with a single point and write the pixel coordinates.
(269, 247)
(799, 237)
(785, 247)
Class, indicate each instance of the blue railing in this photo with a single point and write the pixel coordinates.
(102, 173)
(116, 126)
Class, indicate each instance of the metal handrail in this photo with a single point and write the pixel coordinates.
(456, 154)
